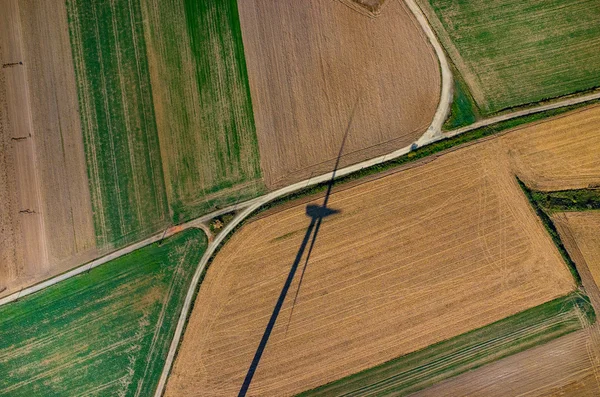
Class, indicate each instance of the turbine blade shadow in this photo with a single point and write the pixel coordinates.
(276, 310)
(312, 243)
(316, 213)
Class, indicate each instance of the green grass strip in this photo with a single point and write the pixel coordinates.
(538, 200)
(417, 370)
(105, 332)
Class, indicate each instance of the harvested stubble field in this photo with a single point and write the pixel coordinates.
(311, 63)
(513, 52)
(117, 118)
(203, 106)
(105, 332)
(45, 214)
(413, 258)
(563, 367)
(568, 366)
(560, 154)
(584, 229)
(414, 371)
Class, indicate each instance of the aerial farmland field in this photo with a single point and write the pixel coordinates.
(310, 198)
(512, 53)
(114, 322)
(318, 69)
(203, 106)
(558, 155)
(457, 228)
(46, 224)
(584, 228)
(117, 118)
(567, 366)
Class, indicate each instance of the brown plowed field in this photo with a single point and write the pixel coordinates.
(413, 258)
(569, 366)
(308, 65)
(46, 221)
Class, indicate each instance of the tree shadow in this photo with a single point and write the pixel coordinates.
(316, 213)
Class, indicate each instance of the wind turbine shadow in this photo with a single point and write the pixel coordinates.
(316, 213)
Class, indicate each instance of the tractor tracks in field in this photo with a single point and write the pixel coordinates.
(432, 134)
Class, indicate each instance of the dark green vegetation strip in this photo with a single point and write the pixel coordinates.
(206, 122)
(464, 110)
(216, 42)
(435, 363)
(209, 144)
(521, 52)
(569, 200)
(117, 118)
(106, 332)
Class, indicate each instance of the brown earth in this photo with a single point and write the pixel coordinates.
(46, 223)
(413, 258)
(372, 8)
(310, 63)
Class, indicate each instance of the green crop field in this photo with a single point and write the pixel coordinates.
(515, 52)
(435, 363)
(203, 107)
(117, 118)
(105, 332)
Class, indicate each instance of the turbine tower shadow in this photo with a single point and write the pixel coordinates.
(316, 213)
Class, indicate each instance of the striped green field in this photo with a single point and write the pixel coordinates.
(514, 52)
(165, 110)
(415, 371)
(203, 107)
(117, 118)
(101, 333)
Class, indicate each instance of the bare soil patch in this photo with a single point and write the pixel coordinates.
(412, 259)
(371, 8)
(46, 222)
(311, 63)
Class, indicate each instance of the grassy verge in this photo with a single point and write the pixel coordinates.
(117, 119)
(545, 203)
(464, 110)
(428, 366)
(105, 332)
